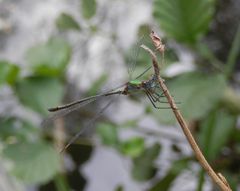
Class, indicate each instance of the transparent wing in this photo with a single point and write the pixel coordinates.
(89, 125)
(133, 55)
(65, 111)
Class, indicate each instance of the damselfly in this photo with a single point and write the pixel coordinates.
(150, 87)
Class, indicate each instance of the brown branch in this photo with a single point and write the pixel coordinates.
(216, 177)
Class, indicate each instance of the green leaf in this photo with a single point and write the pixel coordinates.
(16, 130)
(143, 167)
(50, 58)
(197, 93)
(108, 134)
(184, 20)
(119, 188)
(174, 171)
(88, 8)
(133, 147)
(8, 72)
(215, 131)
(61, 183)
(143, 172)
(39, 93)
(66, 22)
(33, 163)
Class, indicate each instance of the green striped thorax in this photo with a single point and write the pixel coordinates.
(134, 85)
(135, 82)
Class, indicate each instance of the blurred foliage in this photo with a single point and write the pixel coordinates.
(14, 130)
(46, 91)
(8, 72)
(88, 8)
(67, 22)
(205, 98)
(184, 19)
(108, 134)
(198, 91)
(31, 157)
(133, 147)
(33, 160)
(165, 183)
(215, 130)
(143, 165)
(119, 188)
(50, 58)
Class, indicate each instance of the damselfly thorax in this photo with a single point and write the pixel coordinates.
(136, 85)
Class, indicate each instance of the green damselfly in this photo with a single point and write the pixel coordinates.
(150, 87)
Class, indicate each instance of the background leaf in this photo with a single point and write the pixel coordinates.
(174, 171)
(66, 22)
(88, 8)
(50, 58)
(215, 130)
(39, 93)
(8, 72)
(184, 20)
(119, 188)
(108, 134)
(16, 130)
(133, 147)
(143, 167)
(33, 162)
(197, 93)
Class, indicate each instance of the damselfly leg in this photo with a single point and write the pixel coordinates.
(154, 101)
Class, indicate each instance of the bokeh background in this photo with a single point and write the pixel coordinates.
(56, 51)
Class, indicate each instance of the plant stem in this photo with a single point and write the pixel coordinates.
(234, 52)
(217, 178)
(200, 180)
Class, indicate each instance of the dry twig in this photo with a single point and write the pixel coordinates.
(218, 178)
